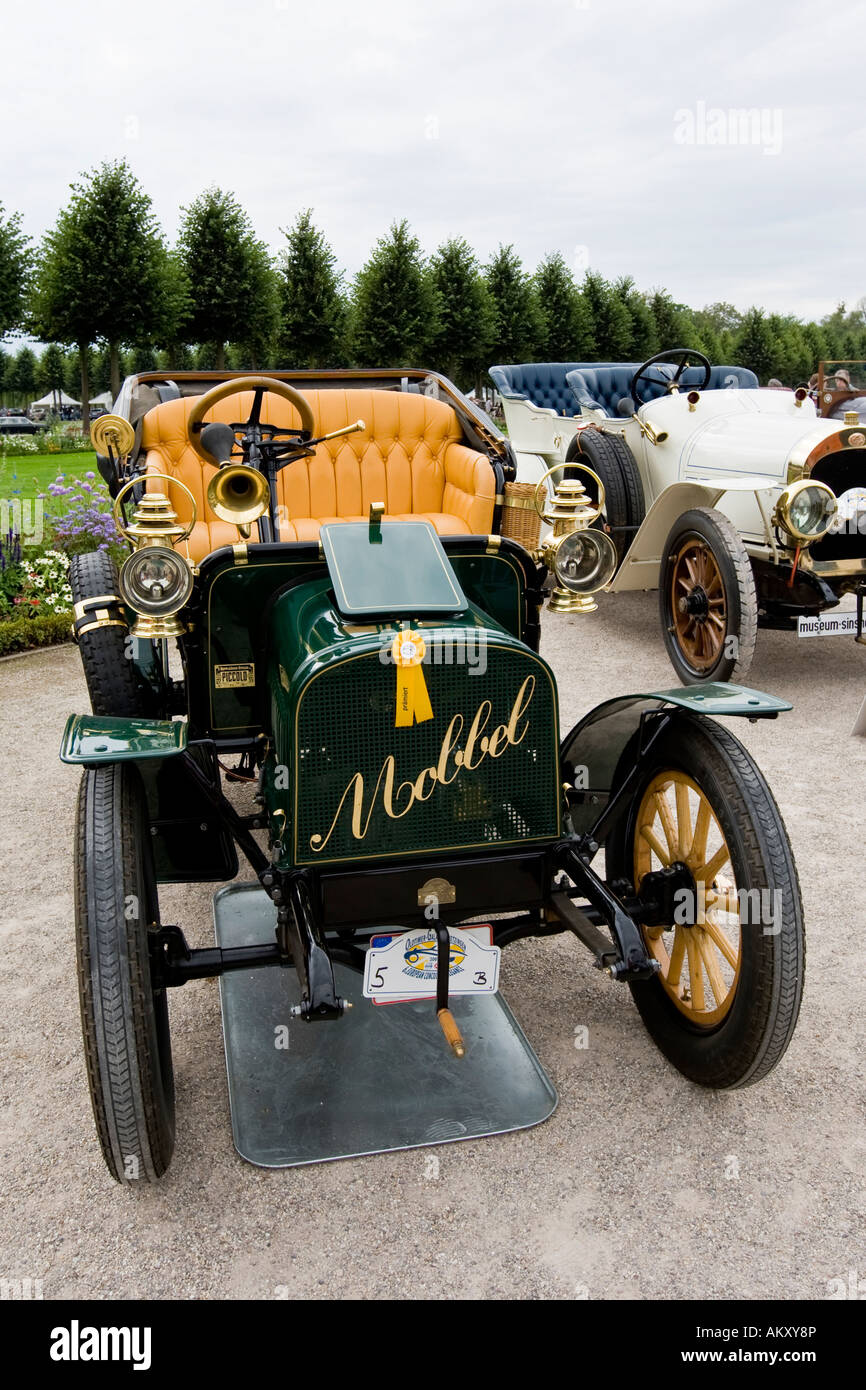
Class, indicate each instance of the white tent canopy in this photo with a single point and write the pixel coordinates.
(55, 398)
(105, 399)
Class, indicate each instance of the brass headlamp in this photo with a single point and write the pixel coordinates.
(806, 510)
(582, 560)
(155, 581)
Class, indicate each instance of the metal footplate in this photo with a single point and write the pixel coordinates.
(379, 1081)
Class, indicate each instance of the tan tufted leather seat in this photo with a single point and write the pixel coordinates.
(408, 456)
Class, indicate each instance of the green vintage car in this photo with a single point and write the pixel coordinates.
(322, 600)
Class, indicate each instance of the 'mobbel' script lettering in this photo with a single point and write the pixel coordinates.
(455, 758)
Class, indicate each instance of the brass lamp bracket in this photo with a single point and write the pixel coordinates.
(572, 508)
(154, 520)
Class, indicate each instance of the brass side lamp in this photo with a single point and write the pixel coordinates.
(155, 581)
(581, 560)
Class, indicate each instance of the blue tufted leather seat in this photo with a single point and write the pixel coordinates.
(602, 387)
(569, 387)
(544, 383)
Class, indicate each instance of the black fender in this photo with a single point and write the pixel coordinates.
(591, 754)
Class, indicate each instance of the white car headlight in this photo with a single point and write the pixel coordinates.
(155, 581)
(806, 510)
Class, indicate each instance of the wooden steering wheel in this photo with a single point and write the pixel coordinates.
(261, 385)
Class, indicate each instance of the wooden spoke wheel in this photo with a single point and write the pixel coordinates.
(699, 955)
(699, 605)
(707, 599)
(703, 846)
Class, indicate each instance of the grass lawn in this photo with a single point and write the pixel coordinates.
(30, 474)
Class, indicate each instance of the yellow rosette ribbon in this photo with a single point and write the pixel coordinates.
(413, 702)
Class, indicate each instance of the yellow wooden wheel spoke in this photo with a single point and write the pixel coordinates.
(696, 972)
(675, 964)
(667, 819)
(702, 828)
(723, 898)
(699, 965)
(708, 873)
(724, 944)
(711, 964)
(655, 844)
(684, 819)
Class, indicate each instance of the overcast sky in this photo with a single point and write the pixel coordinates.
(607, 131)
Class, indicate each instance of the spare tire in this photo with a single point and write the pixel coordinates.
(610, 457)
(114, 683)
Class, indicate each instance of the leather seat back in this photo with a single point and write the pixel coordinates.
(603, 387)
(408, 455)
(543, 383)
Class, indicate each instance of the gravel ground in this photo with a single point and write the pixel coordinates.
(640, 1185)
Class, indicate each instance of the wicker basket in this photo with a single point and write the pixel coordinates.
(520, 520)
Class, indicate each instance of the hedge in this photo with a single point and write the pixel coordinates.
(17, 634)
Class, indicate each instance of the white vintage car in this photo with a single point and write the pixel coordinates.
(742, 506)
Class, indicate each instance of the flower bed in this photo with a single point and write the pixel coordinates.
(65, 438)
(74, 518)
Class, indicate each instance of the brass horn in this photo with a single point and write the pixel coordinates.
(238, 494)
(112, 432)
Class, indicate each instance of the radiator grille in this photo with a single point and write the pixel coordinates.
(345, 726)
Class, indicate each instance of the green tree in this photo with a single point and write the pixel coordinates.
(23, 375)
(312, 307)
(675, 327)
(103, 272)
(395, 305)
(100, 376)
(644, 338)
(755, 344)
(50, 370)
(817, 346)
(205, 357)
(611, 318)
(565, 320)
(229, 277)
(798, 356)
(14, 271)
(719, 318)
(516, 316)
(464, 331)
(790, 352)
(178, 357)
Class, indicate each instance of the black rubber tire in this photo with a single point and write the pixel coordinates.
(751, 1039)
(124, 1020)
(741, 600)
(610, 457)
(113, 683)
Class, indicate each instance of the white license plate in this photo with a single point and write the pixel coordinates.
(828, 625)
(402, 967)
